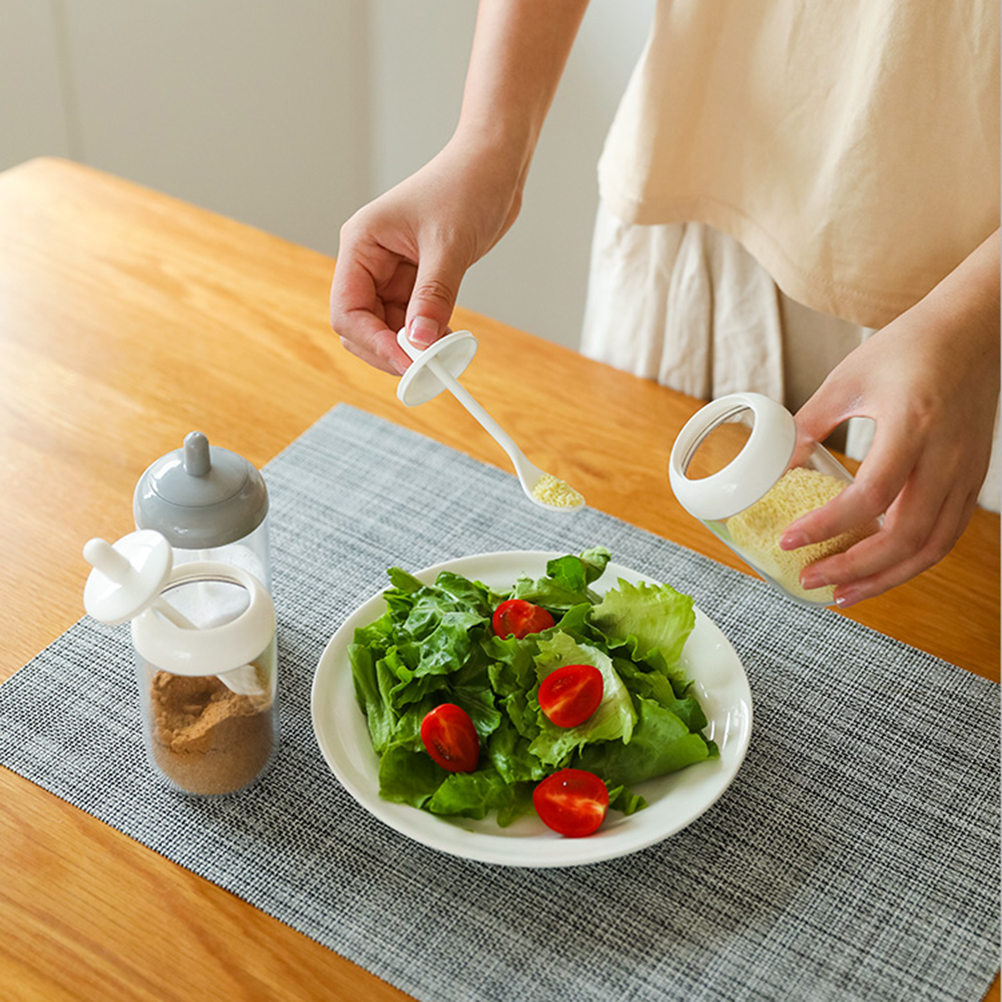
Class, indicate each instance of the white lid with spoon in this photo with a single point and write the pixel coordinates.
(127, 583)
(438, 368)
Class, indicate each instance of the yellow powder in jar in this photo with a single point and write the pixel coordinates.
(756, 530)
(556, 493)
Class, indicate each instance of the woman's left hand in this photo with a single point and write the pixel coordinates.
(930, 381)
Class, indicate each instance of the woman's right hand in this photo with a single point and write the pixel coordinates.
(403, 256)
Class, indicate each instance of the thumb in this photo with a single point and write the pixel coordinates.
(823, 412)
(436, 288)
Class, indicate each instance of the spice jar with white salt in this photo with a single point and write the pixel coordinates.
(203, 634)
(738, 467)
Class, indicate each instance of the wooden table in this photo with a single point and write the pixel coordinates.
(128, 319)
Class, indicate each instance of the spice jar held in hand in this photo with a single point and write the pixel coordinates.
(738, 466)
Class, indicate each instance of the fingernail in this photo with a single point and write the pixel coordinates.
(421, 332)
(844, 599)
(792, 540)
(812, 579)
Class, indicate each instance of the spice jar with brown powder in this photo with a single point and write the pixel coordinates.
(204, 641)
(739, 467)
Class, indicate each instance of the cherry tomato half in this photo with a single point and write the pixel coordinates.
(450, 738)
(519, 618)
(572, 802)
(570, 694)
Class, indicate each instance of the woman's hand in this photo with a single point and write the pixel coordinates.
(403, 256)
(930, 381)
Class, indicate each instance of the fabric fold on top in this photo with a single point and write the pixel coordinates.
(852, 146)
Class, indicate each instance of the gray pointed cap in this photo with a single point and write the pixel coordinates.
(200, 496)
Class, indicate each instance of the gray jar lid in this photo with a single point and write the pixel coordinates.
(200, 496)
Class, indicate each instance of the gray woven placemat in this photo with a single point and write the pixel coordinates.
(856, 856)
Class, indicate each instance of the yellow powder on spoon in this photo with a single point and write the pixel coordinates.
(556, 493)
(756, 530)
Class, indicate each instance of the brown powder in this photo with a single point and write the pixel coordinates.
(206, 738)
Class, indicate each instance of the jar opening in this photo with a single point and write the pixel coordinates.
(719, 445)
(208, 602)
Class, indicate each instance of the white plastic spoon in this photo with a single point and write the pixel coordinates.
(438, 368)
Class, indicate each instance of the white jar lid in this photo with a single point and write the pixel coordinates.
(210, 650)
(127, 582)
(760, 463)
(419, 384)
(126, 577)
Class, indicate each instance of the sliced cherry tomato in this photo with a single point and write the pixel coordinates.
(450, 738)
(572, 802)
(570, 694)
(519, 618)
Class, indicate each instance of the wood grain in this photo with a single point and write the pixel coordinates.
(128, 319)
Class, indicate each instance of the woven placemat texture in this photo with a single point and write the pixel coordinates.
(855, 857)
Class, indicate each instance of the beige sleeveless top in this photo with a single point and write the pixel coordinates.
(851, 146)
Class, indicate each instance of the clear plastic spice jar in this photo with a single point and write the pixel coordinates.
(738, 467)
(203, 634)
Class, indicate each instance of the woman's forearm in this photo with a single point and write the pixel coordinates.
(969, 296)
(520, 49)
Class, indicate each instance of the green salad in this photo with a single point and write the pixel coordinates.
(441, 646)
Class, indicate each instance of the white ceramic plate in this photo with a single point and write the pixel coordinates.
(674, 801)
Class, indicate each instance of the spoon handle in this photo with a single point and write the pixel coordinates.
(470, 403)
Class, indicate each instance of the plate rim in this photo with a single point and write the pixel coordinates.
(457, 837)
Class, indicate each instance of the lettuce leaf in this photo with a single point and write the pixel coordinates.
(657, 686)
(612, 721)
(653, 621)
(661, 744)
(624, 800)
(508, 752)
(409, 777)
(566, 581)
(476, 794)
(374, 682)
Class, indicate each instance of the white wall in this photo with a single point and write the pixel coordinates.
(242, 106)
(289, 115)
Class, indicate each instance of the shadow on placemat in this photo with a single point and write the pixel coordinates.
(855, 857)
